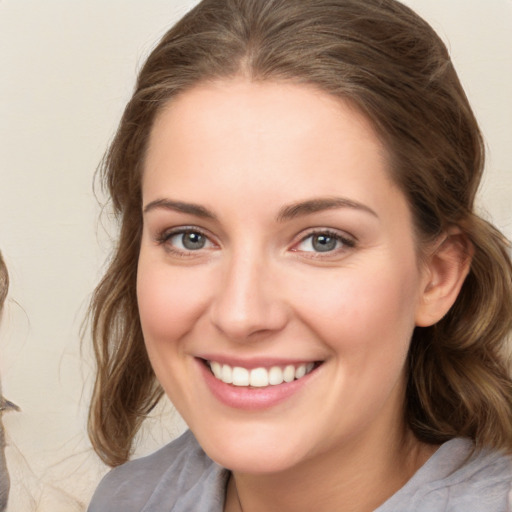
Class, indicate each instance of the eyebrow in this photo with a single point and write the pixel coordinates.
(286, 213)
(320, 204)
(180, 206)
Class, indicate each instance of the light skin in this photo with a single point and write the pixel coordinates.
(274, 233)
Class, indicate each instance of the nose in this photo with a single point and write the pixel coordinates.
(248, 304)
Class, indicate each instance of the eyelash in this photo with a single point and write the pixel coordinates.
(165, 236)
(346, 242)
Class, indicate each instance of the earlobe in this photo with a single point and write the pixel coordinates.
(445, 270)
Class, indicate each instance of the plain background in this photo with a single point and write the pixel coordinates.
(66, 70)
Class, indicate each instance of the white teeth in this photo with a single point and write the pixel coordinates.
(216, 369)
(289, 373)
(240, 376)
(300, 371)
(227, 374)
(259, 377)
(275, 376)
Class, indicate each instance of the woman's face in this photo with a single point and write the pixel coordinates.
(275, 244)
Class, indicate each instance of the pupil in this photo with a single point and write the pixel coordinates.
(324, 243)
(193, 241)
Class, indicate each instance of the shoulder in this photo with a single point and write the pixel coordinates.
(177, 472)
(483, 483)
(456, 479)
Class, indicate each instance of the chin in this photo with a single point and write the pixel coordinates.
(255, 463)
(255, 454)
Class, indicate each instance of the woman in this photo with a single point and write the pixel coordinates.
(301, 271)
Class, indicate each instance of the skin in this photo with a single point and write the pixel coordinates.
(246, 152)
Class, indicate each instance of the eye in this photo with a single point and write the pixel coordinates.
(190, 241)
(323, 242)
(185, 240)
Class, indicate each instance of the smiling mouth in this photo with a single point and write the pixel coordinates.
(259, 377)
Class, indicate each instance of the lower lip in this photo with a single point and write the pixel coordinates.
(251, 399)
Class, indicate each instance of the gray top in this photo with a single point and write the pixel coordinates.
(181, 478)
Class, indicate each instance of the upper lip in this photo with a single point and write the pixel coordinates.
(255, 362)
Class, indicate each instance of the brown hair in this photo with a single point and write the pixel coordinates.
(4, 282)
(4, 477)
(391, 65)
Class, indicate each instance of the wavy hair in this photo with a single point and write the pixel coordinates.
(391, 65)
(4, 282)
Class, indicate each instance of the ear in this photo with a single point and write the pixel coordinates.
(445, 269)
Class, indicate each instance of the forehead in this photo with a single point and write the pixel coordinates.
(276, 140)
(256, 109)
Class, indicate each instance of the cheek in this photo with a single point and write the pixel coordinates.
(170, 300)
(363, 308)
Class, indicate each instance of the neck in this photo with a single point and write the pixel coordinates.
(357, 478)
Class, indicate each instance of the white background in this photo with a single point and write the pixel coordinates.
(66, 70)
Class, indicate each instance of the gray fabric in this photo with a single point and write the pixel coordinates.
(448, 482)
(181, 478)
